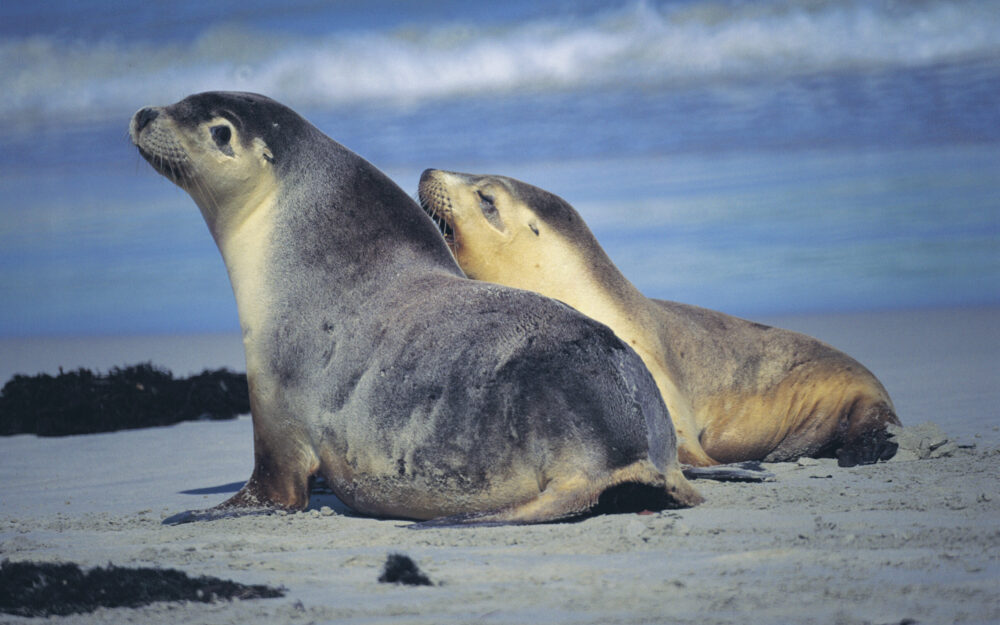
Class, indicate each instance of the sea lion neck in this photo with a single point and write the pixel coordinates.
(611, 299)
(361, 219)
(229, 224)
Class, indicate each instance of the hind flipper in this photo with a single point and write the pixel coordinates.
(636, 487)
(466, 519)
(866, 440)
(867, 448)
(750, 471)
(561, 499)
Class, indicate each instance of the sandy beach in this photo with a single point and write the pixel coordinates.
(750, 157)
(916, 539)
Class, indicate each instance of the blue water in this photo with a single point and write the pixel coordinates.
(760, 158)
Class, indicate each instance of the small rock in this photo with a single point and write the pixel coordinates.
(946, 450)
(920, 441)
(400, 569)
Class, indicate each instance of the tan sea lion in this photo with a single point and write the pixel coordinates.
(736, 390)
(374, 362)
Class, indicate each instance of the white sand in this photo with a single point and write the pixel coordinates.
(908, 539)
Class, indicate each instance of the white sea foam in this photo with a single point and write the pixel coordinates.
(641, 45)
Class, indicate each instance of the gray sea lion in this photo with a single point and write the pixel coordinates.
(736, 390)
(374, 362)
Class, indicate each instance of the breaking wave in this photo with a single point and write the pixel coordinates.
(640, 45)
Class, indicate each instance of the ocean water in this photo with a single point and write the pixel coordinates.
(761, 158)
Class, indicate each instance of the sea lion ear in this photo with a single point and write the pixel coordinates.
(534, 227)
(262, 150)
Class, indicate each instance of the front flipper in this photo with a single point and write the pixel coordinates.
(270, 489)
(750, 471)
(251, 500)
(214, 514)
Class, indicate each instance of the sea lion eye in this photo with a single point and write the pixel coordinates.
(221, 134)
(490, 212)
(486, 201)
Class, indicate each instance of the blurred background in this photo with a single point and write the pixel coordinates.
(762, 158)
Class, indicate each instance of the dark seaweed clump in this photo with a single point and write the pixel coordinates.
(137, 396)
(400, 569)
(44, 589)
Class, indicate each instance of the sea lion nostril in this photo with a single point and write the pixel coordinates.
(143, 117)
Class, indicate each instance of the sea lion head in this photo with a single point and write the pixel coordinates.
(506, 231)
(225, 149)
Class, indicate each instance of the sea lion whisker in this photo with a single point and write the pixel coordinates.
(168, 167)
(211, 203)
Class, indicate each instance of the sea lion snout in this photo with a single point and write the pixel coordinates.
(141, 121)
(142, 118)
(436, 202)
(428, 176)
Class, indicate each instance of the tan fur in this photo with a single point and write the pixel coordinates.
(237, 205)
(798, 399)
